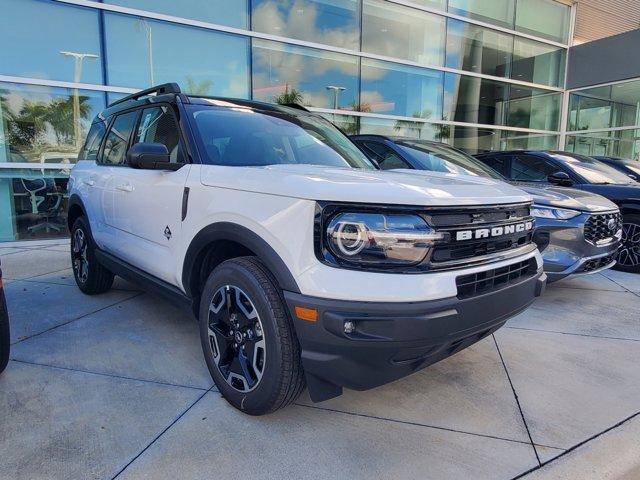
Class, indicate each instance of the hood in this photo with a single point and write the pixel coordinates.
(562, 197)
(615, 193)
(397, 187)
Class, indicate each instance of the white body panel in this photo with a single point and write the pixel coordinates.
(278, 204)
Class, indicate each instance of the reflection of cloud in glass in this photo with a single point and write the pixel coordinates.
(404, 90)
(326, 22)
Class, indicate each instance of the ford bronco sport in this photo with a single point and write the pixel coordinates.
(302, 263)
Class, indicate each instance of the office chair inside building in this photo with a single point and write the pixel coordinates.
(39, 199)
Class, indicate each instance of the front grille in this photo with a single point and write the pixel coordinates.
(601, 228)
(597, 263)
(492, 219)
(490, 280)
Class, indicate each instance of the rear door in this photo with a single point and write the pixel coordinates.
(148, 203)
(110, 161)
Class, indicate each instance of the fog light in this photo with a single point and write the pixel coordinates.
(349, 327)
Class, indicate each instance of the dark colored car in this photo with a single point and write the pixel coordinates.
(630, 168)
(561, 213)
(536, 167)
(4, 329)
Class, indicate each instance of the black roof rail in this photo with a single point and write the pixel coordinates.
(158, 90)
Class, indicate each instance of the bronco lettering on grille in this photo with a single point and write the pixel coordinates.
(494, 231)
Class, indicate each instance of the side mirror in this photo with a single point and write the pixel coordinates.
(560, 178)
(150, 156)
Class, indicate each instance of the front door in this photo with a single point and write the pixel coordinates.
(148, 203)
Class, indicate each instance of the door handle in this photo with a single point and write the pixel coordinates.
(91, 183)
(125, 187)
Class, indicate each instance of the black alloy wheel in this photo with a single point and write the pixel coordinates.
(629, 252)
(79, 247)
(248, 338)
(91, 277)
(236, 338)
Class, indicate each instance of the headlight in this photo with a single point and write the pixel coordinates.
(555, 213)
(380, 240)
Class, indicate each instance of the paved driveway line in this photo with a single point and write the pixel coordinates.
(111, 375)
(637, 294)
(35, 276)
(515, 395)
(136, 294)
(630, 418)
(176, 420)
(49, 282)
(572, 333)
(417, 424)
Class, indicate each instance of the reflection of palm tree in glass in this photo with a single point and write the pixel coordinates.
(197, 88)
(409, 125)
(289, 96)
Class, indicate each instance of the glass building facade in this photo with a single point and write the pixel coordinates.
(478, 74)
(605, 120)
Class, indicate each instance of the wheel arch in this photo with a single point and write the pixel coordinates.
(75, 209)
(245, 241)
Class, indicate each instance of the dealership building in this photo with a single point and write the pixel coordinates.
(478, 74)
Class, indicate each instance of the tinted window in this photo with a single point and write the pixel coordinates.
(443, 158)
(387, 159)
(242, 137)
(115, 146)
(528, 168)
(499, 163)
(591, 169)
(94, 139)
(158, 125)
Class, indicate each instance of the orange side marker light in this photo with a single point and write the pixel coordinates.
(308, 314)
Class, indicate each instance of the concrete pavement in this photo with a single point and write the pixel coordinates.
(115, 386)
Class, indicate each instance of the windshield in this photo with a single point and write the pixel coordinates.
(243, 137)
(592, 170)
(443, 158)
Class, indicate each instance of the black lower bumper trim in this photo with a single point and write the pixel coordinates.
(392, 340)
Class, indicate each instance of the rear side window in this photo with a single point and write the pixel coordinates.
(527, 168)
(117, 142)
(500, 163)
(94, 139)
(158, 125)
(387, 159)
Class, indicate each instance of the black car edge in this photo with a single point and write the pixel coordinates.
(567, 169)
(4, 328)
(630, 168)
(565, 248)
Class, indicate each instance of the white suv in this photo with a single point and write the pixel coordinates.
(303, 263)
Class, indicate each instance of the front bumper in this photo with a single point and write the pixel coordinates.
(565, 251)
(392, 340)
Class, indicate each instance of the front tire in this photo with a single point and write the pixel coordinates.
(629, 252)
(5, 336)
(91, 277)
(248, 339)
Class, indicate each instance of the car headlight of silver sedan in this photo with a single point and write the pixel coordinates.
(541, 211)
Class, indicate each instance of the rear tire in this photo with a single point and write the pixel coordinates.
(5, 336)
(248, 338)
(91, 277)
(629, 252)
